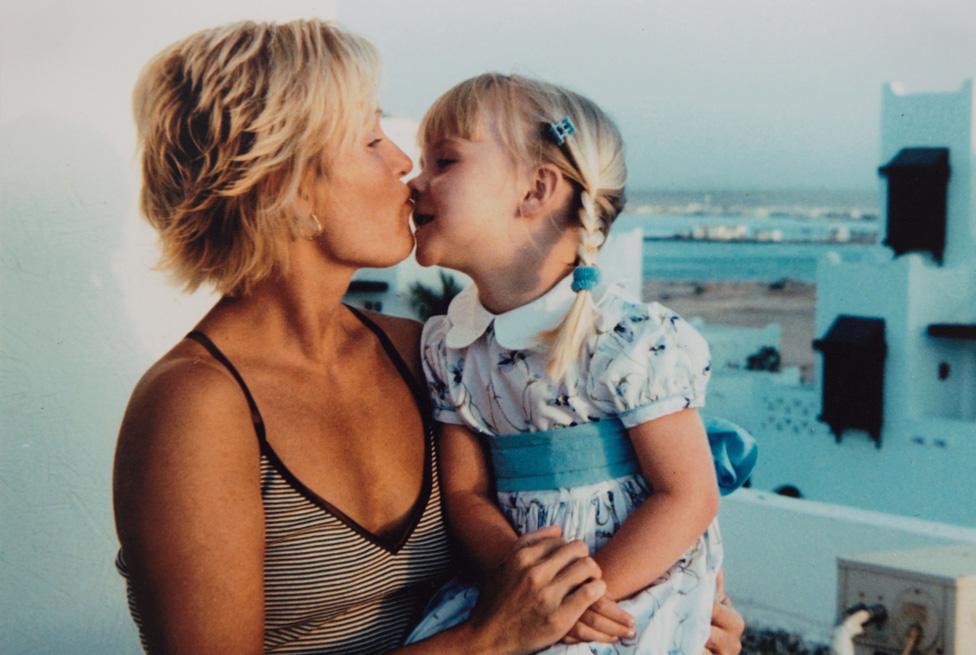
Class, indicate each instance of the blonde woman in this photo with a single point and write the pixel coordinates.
(276, 476)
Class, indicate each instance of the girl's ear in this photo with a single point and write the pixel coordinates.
(547, 191)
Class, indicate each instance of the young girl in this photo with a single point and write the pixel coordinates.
(563, 401)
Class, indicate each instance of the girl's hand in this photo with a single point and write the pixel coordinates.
(727, 624)
(603, 621)
(537, 595)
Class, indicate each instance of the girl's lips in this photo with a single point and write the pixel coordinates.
(422, 219)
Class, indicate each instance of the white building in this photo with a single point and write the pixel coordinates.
(890, 424)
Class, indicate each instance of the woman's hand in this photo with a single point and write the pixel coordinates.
(537, 595)
(603, 621)
(727, 624)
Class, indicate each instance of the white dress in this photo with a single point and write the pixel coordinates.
(487, 372)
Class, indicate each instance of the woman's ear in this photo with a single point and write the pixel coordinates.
(548, 190)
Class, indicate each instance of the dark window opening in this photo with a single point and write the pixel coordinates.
(854, 351)
(918, 180)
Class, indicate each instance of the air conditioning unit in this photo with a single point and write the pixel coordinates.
(928, 596)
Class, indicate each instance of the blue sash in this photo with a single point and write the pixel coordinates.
(601, 450)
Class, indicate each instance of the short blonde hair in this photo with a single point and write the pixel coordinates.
(519, 111)
(231, 122)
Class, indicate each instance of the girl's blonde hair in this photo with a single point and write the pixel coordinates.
(231, 122)
(519, 112)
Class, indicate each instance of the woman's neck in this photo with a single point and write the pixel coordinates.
(299, 311)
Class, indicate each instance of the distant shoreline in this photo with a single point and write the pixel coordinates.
(775, 242)
(789, 303)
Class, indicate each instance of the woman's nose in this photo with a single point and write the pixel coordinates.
(402, 162)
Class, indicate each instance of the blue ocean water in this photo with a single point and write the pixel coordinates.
(803, 241)
(723, 260)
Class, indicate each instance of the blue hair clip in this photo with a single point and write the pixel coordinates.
(561, 129)
(585, 278)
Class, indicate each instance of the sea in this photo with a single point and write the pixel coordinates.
(751, 235)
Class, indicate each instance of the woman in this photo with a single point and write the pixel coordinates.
(267, 175)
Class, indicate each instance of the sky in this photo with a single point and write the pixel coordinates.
(718, 94)
(742, 94)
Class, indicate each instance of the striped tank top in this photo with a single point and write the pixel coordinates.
(330, 585)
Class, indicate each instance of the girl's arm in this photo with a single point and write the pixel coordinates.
(472, 514)
(488, 537)
(676, 460)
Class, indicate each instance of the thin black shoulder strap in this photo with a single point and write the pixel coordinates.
(212, 348)
(419, 391)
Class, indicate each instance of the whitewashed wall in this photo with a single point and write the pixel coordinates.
(81, 314)
(781, 554)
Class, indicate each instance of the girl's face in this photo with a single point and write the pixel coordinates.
(466, 201)
(363, 205)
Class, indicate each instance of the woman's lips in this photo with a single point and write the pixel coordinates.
(422, 219)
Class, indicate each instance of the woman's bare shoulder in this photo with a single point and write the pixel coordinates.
(186, 405)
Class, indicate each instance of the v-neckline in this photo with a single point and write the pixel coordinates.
(391, 543)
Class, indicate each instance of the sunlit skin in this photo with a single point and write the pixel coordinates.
(511, 228)
(503, 225)
(339, 415)
(362, 204)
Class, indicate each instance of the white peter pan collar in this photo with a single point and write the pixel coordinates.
(515, 329)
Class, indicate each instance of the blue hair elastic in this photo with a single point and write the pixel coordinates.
(585, 278)
(561, 129)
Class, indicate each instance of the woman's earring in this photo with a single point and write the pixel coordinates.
(316, 227)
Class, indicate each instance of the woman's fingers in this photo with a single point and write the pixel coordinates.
(578, 570)
(530, 538)
(584, 632)
(579, 600)
(609, 618)
(555, 560)
(728, 625)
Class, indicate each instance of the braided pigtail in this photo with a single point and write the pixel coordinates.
(571, 334)
(595, 152)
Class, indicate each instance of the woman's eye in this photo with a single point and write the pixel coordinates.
(375, 142)
(444, 162)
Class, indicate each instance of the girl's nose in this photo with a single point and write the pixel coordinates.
(418, 183)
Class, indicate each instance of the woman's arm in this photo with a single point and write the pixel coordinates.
(675, 458)
(188, 511)
(538, 592)
(472, 513)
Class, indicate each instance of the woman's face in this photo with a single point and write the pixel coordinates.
(362, 203)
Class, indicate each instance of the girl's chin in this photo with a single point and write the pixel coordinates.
(423, 257)
(423, 252)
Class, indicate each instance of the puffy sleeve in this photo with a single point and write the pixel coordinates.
(650, 362)
(438, 370)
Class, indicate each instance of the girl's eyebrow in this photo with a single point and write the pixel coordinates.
(445, 142)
